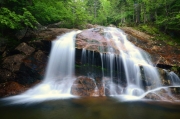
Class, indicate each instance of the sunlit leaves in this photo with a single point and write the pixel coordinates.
(15, 21)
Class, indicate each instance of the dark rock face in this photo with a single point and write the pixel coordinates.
(13, 63)
(25, 67)
(24, 48)
(26, 64)
(6, 75)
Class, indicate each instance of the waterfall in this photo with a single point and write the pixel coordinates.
(121, 55)
(59, 75)
(129, 70)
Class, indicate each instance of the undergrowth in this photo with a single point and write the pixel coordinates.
(159, 35)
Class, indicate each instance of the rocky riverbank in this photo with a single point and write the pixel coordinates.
(24, 66)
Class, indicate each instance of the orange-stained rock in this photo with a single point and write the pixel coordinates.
(94, 40)
(83, 86)
(100, 86)
(11, 88)
(52, 33)
(161, 52)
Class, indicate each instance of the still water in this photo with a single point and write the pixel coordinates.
(90, 108)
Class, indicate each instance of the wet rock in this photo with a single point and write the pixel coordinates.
(6, 75)
(11, 88)
(31, 68)
(42, 45)
(13, 63)
(37, 62)
(163, 94)
(24, 48)
(83, 86)
(175, 90)
(161, 52)
(51, 33)
(100, 86)
(27, 65)
(153, 96)
(164, 77)
(94, 40)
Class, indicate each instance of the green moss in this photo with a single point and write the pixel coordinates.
(157, 34)
(176, 69)
(77, 66)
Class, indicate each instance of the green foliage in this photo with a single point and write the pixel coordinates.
(104, 12)
(163, 14)
(9, 19)
(77, 15)
(149, 29)
(46, 12)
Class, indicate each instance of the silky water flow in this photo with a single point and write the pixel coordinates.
(120, 55)
(59, 75)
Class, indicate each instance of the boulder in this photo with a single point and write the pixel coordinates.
(42, 45)
(162, 94)
(13, 63)
(83, 86)
(36, 62)
(100, 86)
(94, 40)
(24, 48)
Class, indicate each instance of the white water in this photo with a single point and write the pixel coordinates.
(59, 75)
(174, 79)
(136, 63)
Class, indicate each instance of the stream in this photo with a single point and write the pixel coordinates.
(90, 108)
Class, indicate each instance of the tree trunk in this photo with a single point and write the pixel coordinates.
(95, 9)
(137, 12)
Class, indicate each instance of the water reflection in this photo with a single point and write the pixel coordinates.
(91, 108)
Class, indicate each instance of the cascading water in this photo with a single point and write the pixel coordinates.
(174, 79)
(121, 55)
(125, 68)
(59, 76)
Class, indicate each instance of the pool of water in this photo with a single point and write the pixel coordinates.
(90, 108)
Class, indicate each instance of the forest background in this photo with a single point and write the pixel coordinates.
(155, 17)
